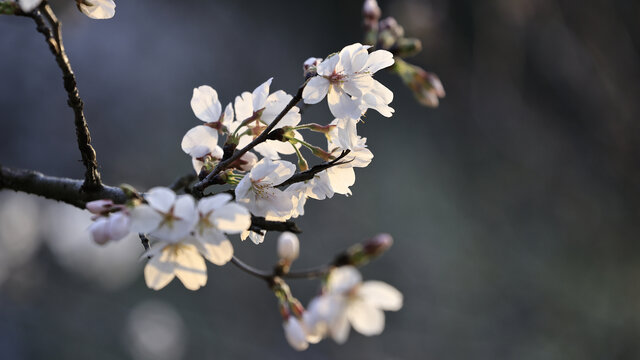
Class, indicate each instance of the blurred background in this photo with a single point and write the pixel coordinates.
(514, 205)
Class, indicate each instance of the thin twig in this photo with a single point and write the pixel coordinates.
(183, 182)
(265, 275)
(92, 180)
(309, 174)
(200, 186)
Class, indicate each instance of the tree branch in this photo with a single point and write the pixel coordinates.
(259, 223)
(67, 190)
(309, 174)
(92, 180)
(200, 186)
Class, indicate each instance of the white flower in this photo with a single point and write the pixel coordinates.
(167, 217)
(219, 215)
(180, 259)
(346, 80)
(202, 140)
(112, 227)
(258, 193)
(349, 301)
(288, 246)
(262, 109)
(98, 9)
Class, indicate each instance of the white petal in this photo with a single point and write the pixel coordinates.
(379, 59)
(341, 105)
(315, 90)
(275, 103)
(341, 178)
(232, 218)
(255, 237)
(358, 85)
(263, 169)
(339, 328)
(216, 247)
(228, 115)
(159, 271)
(211, 203)
(200, 141)
(190, 267)
(260, 95)
(380, 295)
(160, 198)
(343, 279)
(144, 219)
(282, 172)
(205, 104)
(244, 106)
(365, 318)
(327, 67)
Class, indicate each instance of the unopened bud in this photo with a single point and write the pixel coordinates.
(371, 13)
(426, 86)
(309, 66)
(288, 247)
(407, 47)
(391, 24)
(360, 254)
(99, 206)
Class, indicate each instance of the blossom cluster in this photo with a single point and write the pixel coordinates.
(345, 301)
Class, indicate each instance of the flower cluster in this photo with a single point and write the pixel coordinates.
(183, 232)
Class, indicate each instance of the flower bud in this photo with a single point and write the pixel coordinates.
(362, 253)
(99, 206)
(295, 334)
(288, 247)
(99, 230)
(309, 66)
(407, 47)
(371, 13)
(426, 86)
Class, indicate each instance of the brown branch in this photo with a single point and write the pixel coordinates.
(309, 174)
(200, 186)
(92, 181)
(67, 190)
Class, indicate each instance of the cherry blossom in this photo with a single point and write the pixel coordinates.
(346, 80)
(256, 110)
(288, 246)
(181, 259)
(166, 216)
(350, 302)
(219, 215)
(258, 193)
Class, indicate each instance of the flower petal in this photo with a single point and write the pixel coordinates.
(200, 141)
(160, 198)
(365, 318)
(205, 104)
(190, 267)
(315, 90)
(260, 95)
(380, 295)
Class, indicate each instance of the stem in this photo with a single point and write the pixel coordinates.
(309, 174)
(200, 186)
(267, 276)
(92, 180)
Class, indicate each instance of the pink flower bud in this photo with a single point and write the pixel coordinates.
(309, 66)
(100, 231)
(99, 206)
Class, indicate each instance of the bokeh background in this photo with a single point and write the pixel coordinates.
(514, 205)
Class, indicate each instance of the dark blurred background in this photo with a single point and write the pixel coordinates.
(514, 205)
